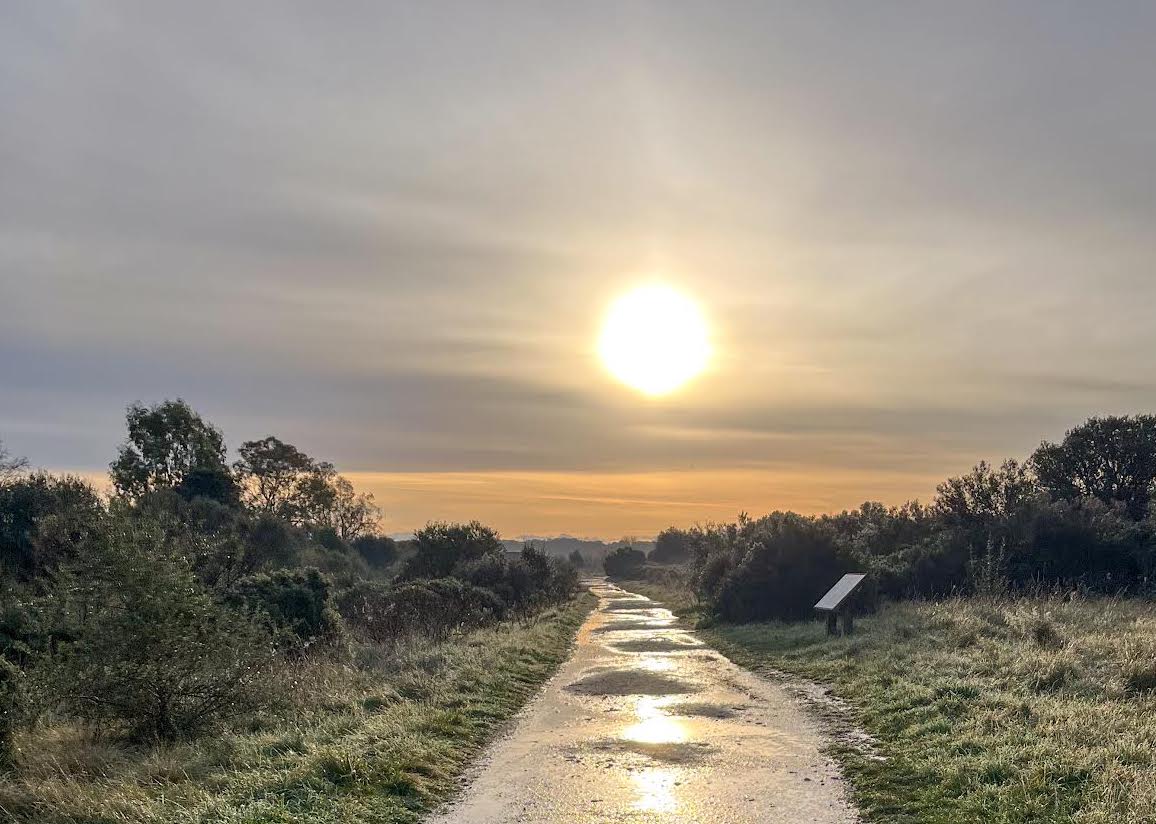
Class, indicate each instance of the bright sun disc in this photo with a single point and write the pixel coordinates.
(654, 339)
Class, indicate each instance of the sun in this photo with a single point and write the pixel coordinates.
(654, 339)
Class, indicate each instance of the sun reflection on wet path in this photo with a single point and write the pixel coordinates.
(655, 726)
(656, 790)
(647, 724)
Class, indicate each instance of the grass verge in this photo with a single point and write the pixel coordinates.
(992, 710)
(377, 740)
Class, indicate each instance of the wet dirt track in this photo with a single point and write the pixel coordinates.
(646, 724)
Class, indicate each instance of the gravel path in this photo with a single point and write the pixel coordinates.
(646, 724)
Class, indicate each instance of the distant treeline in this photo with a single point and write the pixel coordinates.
(1076, 515)
(160, 611)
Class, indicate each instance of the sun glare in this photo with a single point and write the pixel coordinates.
(654, 339)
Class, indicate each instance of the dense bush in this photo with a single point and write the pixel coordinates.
(379, 551)
(439, 547)
(42, 520)
(624, 562)
(432, 608)
(150, 653)
(672, 546)
(996, 528)
(297, 601)
(784, 564)
(10, 689)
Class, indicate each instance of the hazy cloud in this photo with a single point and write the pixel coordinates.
(387, 231)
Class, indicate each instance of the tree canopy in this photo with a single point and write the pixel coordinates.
(165, 444)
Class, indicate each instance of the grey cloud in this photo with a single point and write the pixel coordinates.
(376, 229)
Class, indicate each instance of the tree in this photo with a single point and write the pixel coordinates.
(1112, 459)
(352, 515)
(324, 499)
(576, 559)
(271, 471)
(10, 465)
(213, 482)
(165, 444)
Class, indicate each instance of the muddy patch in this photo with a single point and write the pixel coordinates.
(635, 626)
(656, 645)
(702, 709)
(617, 605)
(630, 682)
(667, 752)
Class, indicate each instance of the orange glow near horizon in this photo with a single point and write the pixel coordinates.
(610, 505)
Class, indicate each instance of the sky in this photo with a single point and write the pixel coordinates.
(920, 234)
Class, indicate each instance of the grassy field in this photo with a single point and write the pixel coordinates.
(987, 710)
(984, 710)
(379, 739)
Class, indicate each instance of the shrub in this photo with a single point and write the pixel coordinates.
(153, 655)
(624, 562)
(788, 563)
(672, 546)
(296, 600)
(430, 608)
(42, 520)
(379, 551)
(441, 546)
(268, 542)
(341, 565)
(10, 678)
(21, 639)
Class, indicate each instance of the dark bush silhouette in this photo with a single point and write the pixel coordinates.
(442, 546)
(528, 582)
(788, 563)
(10, 689)
(43, 519)
(672, 546)
(624, 562)
(379, 551)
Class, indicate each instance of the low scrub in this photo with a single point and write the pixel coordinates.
(380, 739)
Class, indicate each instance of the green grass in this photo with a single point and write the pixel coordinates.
(379, 739)
(986, 710)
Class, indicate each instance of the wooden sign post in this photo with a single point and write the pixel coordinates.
(837, 602)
